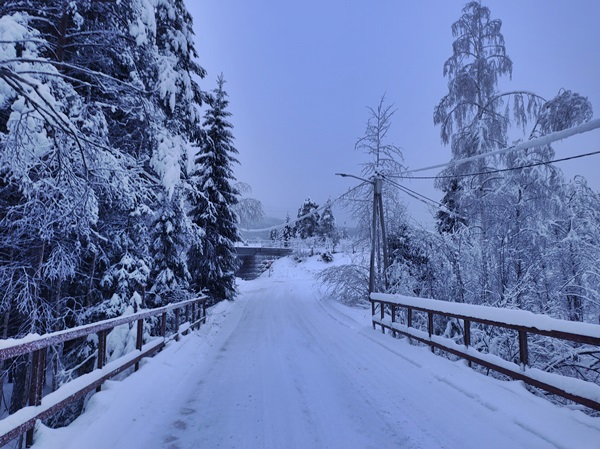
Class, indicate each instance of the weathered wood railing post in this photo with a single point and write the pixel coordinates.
(177, 324)
(381, 315)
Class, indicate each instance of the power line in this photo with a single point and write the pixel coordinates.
(537, 142)
(500, 170)
(413, 194)
(424, 199)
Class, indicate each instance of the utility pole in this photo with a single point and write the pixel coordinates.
(378, 215)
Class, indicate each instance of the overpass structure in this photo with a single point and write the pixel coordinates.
(257, 259)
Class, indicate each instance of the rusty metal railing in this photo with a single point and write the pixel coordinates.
(385, 310)
(40, 408)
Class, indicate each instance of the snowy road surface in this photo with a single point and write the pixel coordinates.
(281, 368)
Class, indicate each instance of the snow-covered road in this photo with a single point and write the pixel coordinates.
(282, 368)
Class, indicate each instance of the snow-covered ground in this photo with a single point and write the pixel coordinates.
(282, 367)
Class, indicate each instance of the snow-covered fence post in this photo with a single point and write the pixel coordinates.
(177, 324)
(34, 348)
(38, 365)
(382, 314)
(139, 339)
(373, 312)
(101, 352)
(393, 310)
(430, 328)
(163, 324)
(409, 320)
(467, 335)
(194, 316)
(582, 391)
(523, 349)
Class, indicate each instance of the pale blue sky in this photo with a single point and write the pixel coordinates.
(300, 75)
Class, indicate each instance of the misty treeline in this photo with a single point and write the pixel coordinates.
(314, 225)
(511, 230)
(116, 183)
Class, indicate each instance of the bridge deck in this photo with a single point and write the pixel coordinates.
(267, 251)
(284, 370)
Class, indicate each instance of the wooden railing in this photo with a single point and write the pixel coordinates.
(385, 311)
(24, 420)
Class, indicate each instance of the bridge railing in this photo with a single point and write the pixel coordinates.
(36, 347)
(386, 311)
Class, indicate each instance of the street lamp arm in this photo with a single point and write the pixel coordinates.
(345, 175)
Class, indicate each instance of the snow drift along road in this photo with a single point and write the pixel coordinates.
(282, 368)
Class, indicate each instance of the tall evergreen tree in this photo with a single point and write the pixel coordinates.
(213, 200)
(327, 226)
(308, 226)
(97, 102)
(170, 275)
(288, 232)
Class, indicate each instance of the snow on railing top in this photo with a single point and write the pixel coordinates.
(511, 318)
(13, 347)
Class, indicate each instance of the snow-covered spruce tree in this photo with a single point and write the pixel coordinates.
(287, 232)
(309, 225)
(57, 168)
(212, 259)
(328, 229)
(327, 226)
(177, 102)
(89, 90)
(169, 276)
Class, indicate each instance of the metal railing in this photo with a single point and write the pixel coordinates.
(40, 408)
(385, 311)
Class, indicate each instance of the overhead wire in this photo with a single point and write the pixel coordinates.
(424, 199)
(501, 170)
(532, 143)
(537, 142)
(413, 194)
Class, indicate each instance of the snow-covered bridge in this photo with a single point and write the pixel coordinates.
(282, 367)
(256, 258)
